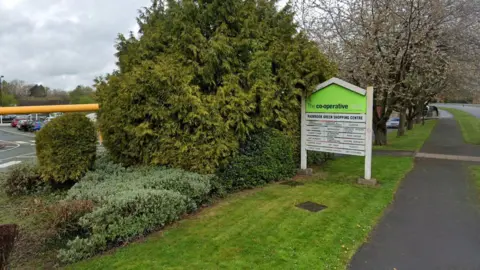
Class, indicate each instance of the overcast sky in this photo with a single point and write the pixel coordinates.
(63, 43)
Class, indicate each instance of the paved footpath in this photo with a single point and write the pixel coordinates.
(434, 222)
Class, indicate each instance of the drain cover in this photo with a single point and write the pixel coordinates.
(311, 206)
(292, 183)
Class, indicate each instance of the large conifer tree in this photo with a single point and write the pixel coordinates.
(203, 75)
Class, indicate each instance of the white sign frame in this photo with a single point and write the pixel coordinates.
(314, 124)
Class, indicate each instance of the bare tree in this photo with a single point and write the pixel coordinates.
(407, 49)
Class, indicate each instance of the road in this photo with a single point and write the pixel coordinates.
(474, 110)
(19, 147)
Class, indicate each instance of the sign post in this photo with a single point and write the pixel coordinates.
(303, 138)
(337, 118)
(368, 141)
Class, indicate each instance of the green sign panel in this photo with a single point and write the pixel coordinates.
(335, 98)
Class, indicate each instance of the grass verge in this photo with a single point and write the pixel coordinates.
(32, 248)
(263, 227)
(413, 139)
(469, 124)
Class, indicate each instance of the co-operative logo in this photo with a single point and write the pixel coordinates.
(331, 106)
(349, 107)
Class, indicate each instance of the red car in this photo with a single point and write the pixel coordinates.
(16, 120)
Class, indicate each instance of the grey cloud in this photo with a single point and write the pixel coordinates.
(62, 43)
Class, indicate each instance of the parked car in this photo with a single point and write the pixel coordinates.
(37, 125)
(8, 118)
(25, 125)
(431, 111)
(21, 124)
(17, 119)
(393, 122)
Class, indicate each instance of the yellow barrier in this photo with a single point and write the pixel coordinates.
(52, 109)
(49, 109)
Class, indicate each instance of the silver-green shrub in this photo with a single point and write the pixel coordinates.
(131, 202)
(123, 217)
(101, 185)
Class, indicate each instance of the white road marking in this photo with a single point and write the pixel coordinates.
(17, 133)
(28, 155)
(10, 147)
(20, 142)
(32, 141)
(8, 164)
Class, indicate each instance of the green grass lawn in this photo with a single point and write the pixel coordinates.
(263, 229)
(469, 124)
(413, 139)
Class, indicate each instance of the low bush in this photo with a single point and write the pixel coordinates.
(131, 202)
(62, 217)
(105, 183)
(123, 217)
(265, 157)
(22, 179)
(66, 148)
(318, 158)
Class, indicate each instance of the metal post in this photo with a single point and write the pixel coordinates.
(303, 136)
(1, 97)
(368, 139)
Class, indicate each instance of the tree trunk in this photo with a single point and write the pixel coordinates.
(380, 131)
(419, 112)
(410, 124)
(401, 126)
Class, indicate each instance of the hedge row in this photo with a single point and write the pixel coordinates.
(265, 157)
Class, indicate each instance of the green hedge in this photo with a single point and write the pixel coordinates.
(265, 157)
(66, 148)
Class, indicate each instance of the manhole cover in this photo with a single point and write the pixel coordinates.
(311, 206)
(292, 183)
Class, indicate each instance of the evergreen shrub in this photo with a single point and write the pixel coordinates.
(22, 179)
(265, 157)
(201, 77)
(66, 148)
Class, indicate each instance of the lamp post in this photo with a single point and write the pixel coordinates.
(1, 90)
(1, 97)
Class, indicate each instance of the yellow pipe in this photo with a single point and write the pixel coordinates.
(49, 109)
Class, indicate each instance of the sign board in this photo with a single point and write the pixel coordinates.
(336, 97)
(337, 118)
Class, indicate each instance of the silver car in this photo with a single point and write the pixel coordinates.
(393, 122)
